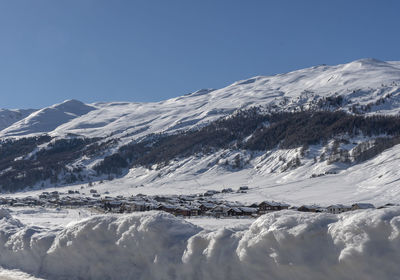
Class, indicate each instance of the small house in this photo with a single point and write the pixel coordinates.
(206, 206)
(166, 207)
(234, 211)
(248, 211)
(358, 206)
(182, 211)
(267, 206)
(210, 193)
(310, 208)
(338, 208)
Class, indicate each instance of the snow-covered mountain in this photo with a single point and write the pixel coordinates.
(325, 172)
(47, 119)
(8, 117)
(361, 82)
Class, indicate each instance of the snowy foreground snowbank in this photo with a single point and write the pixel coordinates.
(155, 245)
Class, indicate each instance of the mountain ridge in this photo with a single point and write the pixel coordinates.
(362, 81)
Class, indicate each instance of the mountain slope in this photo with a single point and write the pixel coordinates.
(47, 119)
(8, 117)
(365, 82)
(361, 82)
(217, 139)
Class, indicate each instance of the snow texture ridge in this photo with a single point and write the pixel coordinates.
(363, 244)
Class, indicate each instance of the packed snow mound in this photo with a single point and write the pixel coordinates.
(156, 245)
(47, 119)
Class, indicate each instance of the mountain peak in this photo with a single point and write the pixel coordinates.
(49, 118)
(369, 62)
(70, 103)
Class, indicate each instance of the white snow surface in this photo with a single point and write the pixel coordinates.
(8, 117)
(363, 244)
(47, 119)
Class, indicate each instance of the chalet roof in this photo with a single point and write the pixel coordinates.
(235, 209)
(274, 203)
(364, 205)
(338, 206)
(248, 209)
(151, 204)
(233, 203)
(311, 206)
(193, 207)
(222, 208)
(187, 197)
(182, 208)
(208, 205)
(114, 202)
(167, 206)
(141, 203)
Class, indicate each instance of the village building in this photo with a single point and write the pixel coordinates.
(310, 208)
(182, 211)
(338, 208)
(268, 206)
(234, 211)
(358, 206)
(166, 207)
(219, 211)
(206, 206)
(248, 211)
(210, 193)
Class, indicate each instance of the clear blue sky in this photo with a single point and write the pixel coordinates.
(115, 50)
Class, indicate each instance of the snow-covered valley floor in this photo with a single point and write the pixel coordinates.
(73, 244)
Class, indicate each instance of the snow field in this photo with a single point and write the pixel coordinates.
(157, 245)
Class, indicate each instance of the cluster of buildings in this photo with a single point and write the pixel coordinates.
(189, 205)
(181, 205)
(335, 208)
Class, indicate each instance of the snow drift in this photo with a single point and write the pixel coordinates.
(156, 245)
